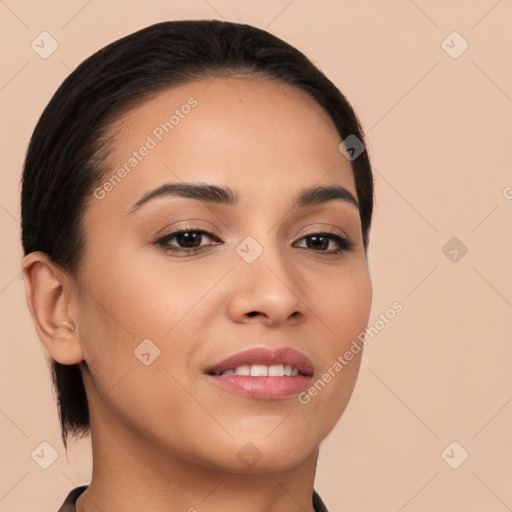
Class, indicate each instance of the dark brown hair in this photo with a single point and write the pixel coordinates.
(66, 155)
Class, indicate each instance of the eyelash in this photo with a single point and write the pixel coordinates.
(345, 244)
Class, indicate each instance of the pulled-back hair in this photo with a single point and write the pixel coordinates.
(66, 157)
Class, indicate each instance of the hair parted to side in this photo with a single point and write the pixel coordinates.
(68, 150)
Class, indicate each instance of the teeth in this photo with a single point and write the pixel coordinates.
(276, 370)
(243, 370)
(261, 370)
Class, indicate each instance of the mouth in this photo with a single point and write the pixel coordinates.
(263, 373)
(262, 370)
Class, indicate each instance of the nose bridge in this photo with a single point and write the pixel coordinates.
(264, 281)
(261, 251)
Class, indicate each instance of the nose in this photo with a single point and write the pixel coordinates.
(266, 291)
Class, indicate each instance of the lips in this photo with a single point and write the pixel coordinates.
(261, 373)
(265, 357)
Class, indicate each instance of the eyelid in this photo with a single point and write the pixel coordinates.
(188, 226)
(211, 233)
(327, 225)
(322, 227)
(214, 231)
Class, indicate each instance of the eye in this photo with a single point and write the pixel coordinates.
(320, 242)
(187, 240)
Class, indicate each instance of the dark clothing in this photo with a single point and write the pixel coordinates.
(69, 503)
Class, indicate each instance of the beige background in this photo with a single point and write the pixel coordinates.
(439, 133)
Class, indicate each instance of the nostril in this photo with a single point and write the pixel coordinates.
(252, 313)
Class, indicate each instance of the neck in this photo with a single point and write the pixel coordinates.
(131, 474)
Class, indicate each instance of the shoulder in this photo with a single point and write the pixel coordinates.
(69, 502)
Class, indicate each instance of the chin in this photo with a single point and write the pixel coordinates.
(275, 452)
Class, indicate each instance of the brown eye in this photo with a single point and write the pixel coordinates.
(186, 240)
(321, 241)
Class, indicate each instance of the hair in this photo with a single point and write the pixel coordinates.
(66, 156)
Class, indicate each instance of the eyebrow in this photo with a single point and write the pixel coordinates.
(225, 196)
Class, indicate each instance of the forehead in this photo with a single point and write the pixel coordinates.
(254, 135)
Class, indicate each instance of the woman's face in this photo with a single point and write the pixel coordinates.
(156, 320)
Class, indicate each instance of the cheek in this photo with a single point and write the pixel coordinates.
(131, 307)
(144, 298)
(344, 311)
(346, 304)
(136, 306)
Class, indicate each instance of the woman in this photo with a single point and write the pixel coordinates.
(196, 208)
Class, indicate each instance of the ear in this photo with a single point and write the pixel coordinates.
(51, 301)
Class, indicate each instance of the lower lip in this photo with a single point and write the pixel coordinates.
(265, 388)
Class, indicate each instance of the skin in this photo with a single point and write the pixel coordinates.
(163, 436)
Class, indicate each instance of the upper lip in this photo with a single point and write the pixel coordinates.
(265, 356)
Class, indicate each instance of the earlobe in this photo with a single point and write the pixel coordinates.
(50, 301)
